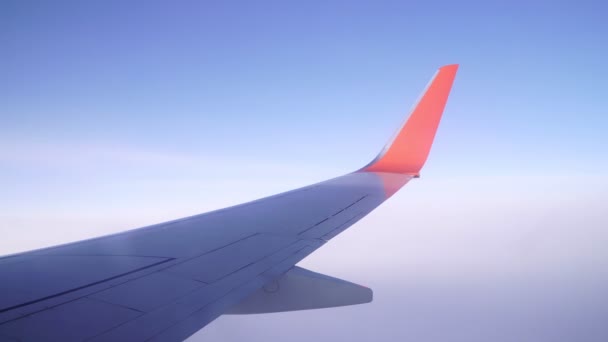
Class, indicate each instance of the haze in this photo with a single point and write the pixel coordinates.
(117, 115)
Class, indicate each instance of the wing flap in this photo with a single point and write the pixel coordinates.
(57, 274)
(79, 320)
(187, 314)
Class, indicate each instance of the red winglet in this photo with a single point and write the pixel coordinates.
(409, 149)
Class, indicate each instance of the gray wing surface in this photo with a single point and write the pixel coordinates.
(167, 281)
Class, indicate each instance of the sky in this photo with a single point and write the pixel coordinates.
(121, 114)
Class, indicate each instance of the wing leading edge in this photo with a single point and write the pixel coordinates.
(167, 281)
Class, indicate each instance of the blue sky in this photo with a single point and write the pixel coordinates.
(118, 114)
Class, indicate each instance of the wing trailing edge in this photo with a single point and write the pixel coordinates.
(409, 148)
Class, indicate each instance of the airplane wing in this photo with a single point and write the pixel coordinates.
(167, 281)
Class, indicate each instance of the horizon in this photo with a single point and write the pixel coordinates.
(116, 116)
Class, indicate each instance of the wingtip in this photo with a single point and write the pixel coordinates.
(450, 66)
(408, 151)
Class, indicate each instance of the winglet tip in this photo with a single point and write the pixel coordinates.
(408, 151)
(450, 66)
